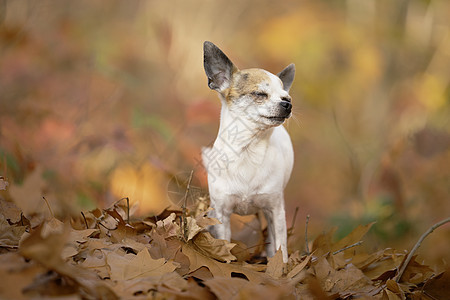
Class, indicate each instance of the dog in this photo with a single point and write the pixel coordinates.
(251, 160)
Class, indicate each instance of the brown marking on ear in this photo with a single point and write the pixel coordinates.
(245, 82)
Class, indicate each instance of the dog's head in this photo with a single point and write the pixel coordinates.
(258, 95)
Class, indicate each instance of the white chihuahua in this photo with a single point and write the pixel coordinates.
(251, 159)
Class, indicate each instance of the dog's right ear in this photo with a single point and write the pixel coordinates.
(218, 67)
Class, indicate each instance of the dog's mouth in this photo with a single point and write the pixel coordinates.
(276, 118)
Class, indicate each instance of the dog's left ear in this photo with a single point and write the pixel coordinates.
(287, 76)
(218, 67)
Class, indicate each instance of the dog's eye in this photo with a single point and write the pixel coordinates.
(260, 94)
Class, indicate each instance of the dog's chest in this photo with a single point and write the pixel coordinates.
(251, 179)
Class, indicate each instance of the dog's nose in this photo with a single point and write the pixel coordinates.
(286, 105)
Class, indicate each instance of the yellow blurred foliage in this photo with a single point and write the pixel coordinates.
(431, 92)
(144, 185)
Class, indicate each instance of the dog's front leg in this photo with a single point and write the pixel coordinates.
(220, 231)
(276, 229)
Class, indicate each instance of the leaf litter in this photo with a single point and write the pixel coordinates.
(110, 254)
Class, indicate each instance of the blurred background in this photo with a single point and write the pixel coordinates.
(101, 100)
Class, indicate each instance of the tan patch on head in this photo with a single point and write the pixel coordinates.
(245, 82)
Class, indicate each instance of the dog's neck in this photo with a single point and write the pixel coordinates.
(239, 134)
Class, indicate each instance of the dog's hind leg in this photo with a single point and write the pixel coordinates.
(220, 231)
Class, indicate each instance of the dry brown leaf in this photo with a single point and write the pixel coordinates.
(352, 238)
(240, 251)
(323, 243)
(130, 266)
(192, 229)
(346, 282)
(238, 288)
(275, 265)
(47, 251)
(16, 274)
(96, 260)
(300, 267)
(3, 184)
(438, 286)
(10, 235)
(10, 211)
(218, 269)
(390, 260)
(215, 248)
(204, 221)
(127, 289)
(28, 196)
(168, 227)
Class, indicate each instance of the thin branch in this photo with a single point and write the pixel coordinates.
(348, 247)
(417, 245)
(85, 221)
(306, 235)
(49, 208)
(110, 229)
(128, 210)
(184, 214)
(293, 222)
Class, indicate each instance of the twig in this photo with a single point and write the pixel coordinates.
(128, 210)
(128, 207)
(306, 235)
(348, 247)
(188, 187)
(110, 229)
(293, 222)
(416, 246)
(49, 208)
(85, 222)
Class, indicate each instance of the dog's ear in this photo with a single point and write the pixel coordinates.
(287, 76)
(218, 67)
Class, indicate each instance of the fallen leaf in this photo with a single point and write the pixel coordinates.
(130, 266)
(215, 248)
(219, 269)
(168, 227)
(238, 288)
(10, 235)
(28, 196)
(3, 184)
(192, 228)
(352, 238)
(300, 267)
(275, 265)
(438, 286)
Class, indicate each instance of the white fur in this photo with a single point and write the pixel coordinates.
(250, 164)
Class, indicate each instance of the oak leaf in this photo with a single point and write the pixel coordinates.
(219, 269)
(275, 265)
(215, 248)
(130, 266)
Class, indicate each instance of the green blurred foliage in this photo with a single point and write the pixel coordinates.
(91, 88)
